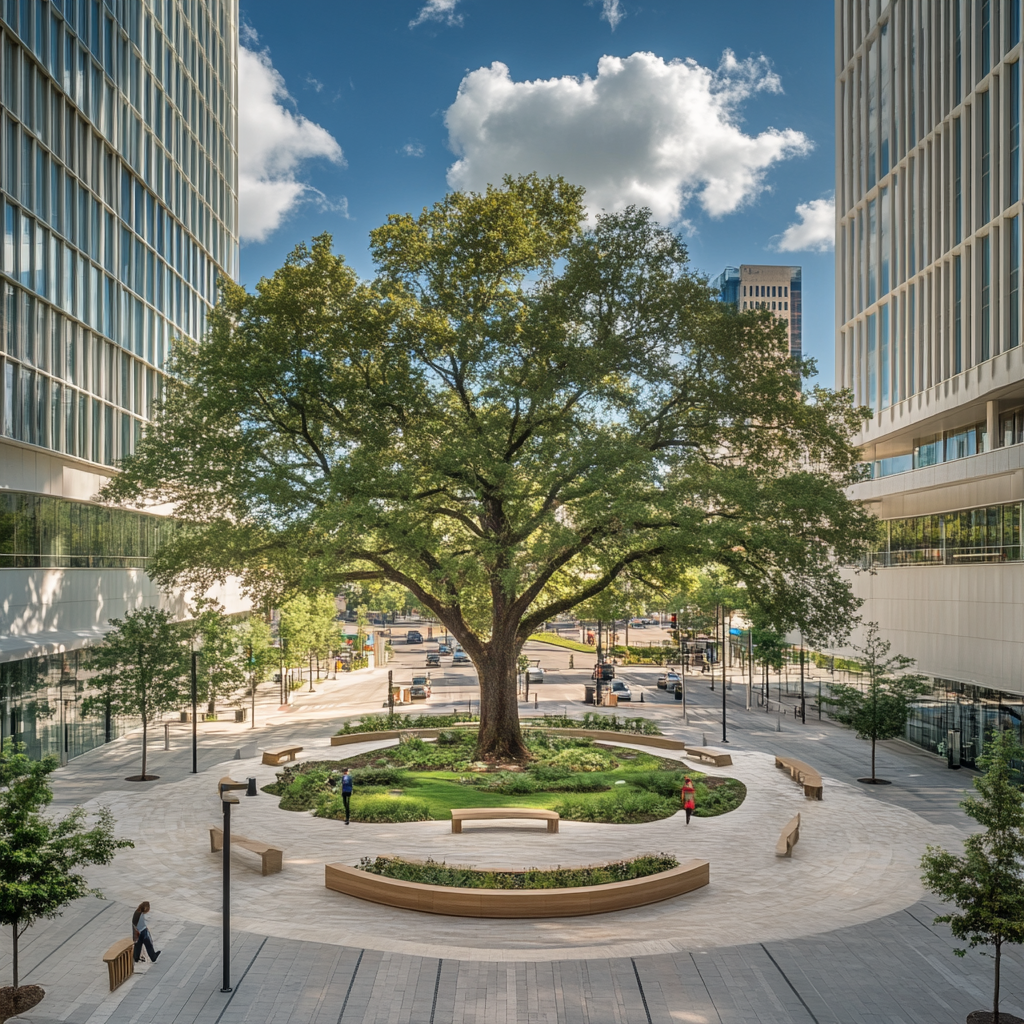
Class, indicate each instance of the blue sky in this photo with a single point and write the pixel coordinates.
(718, 116)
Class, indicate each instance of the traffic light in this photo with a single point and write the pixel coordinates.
(673, 620)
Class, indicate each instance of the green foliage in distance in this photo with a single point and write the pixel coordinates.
(519, 409)
(220, 671)
(40, 855)
(879, 711)
(142, 669)
(986, 882)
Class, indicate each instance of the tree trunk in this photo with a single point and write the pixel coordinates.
(995, 997)
(145, 722)
(872, 758)
(500, 736)
(14, 959)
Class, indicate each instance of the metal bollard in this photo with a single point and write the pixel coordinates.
(535, 700)
(167, 735)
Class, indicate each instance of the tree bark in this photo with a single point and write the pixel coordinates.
(995, 997)
(500, 737)
(872, 758)
(145, 718)
(14, 959)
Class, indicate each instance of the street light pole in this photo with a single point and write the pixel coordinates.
(724, 736)
(195, 713)
(226, 801)
(803, 705)
(252, 684)
(311, 690)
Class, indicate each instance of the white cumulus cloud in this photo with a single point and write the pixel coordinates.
(644, 131)
(438, 10)
(273, 141)
(815, 230)
(612, 12)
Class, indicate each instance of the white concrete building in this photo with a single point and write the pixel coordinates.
(119, 210)
(928, 335)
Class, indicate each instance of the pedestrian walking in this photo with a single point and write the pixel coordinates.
(689, 798)
(346, 791)
(140, 932)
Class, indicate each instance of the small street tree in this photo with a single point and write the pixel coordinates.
(297, 630)
(986, 883)
(142, 670)
(880, 711)
(40, 855)
(221, 673)
(259, 654)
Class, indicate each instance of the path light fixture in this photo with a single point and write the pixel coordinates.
(227, 800)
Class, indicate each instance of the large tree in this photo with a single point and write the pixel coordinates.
(520, 407)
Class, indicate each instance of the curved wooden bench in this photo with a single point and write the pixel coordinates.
(272, 857)
(719, 758)
(120, 961)
(789, 837)
(512, 903)
(461, 814)
(664, 742)
(803, 774)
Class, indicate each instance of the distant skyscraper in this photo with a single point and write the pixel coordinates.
(928, 318)
(119, 206)
(767, 287)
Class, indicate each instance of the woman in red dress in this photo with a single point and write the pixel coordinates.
(689, 795)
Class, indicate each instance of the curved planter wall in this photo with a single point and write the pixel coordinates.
(663, 742)
(575, 902)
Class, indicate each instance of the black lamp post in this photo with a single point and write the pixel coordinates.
(226, 801)
(311, 690)
(725, 738)
(195, 713)
(803, 703)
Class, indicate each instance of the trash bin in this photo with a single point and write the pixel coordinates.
(588, 694)
(679, 693)
(611, 700)
(241, 714)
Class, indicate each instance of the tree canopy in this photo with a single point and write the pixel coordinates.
(518, 409)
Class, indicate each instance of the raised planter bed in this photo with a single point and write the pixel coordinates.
(575, 902)
(663, 742)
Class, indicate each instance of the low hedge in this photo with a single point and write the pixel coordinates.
(439, 873)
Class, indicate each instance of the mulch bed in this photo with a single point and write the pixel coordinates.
(988, 1017)
(28, 996)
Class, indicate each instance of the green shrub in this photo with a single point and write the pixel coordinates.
(385, 775)
(582, 759)
(719, 796)
(434, 873)
(449, 738)
(383, 723)
(303, 792)
(375, 808)
(617, 808)
(511, 784)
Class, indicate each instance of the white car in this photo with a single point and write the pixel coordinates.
(535, 675)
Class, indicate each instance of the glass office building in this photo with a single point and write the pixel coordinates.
(119, 212)
(928, 337)
(779, 289)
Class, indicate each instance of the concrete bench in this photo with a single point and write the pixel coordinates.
(276, 757)
(788, 838)
(271, 856)
(803, 774)
(461, 814)
(719, 758)
(120, 961)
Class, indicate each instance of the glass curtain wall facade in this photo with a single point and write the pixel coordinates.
(118, 200)
(118, 213)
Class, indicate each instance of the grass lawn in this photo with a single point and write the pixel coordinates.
(557, 641)
(441, 790)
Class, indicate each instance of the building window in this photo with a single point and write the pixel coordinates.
(958, 79)
(957, 180)
(1014, 289)
(1014, 22)
(911, 344)
(872, 355)
(986, 297)
(1015, 127)
(872, 253)
(884, 357)
(886, 242)
(986, 36)
(957, 317)
(986, 157)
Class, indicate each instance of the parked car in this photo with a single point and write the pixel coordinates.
(461, 658)
(444, 649)
(417, 692)
(414, 636)
(666, 679)
(638, 624)
(534, 675)
(433, 659)
(621, 690)
(604, 672)
(422, 683)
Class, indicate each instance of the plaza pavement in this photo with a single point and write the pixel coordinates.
(842, 932)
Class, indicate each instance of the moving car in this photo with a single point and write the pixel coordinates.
(433, 659)
(444, 649)
(460, 658)
(534, 675)
(621, 690)
(666, 680)
(604, 672)
(414, 636)
(420, 683)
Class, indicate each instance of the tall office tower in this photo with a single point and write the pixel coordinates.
(928, 331)
(118, 199)
(765, 287)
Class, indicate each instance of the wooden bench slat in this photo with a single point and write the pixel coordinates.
(789, 837)
(120, 961)
(461, 814)
(719, 758)
(272, 857)
(803, 774)
(276, 757)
